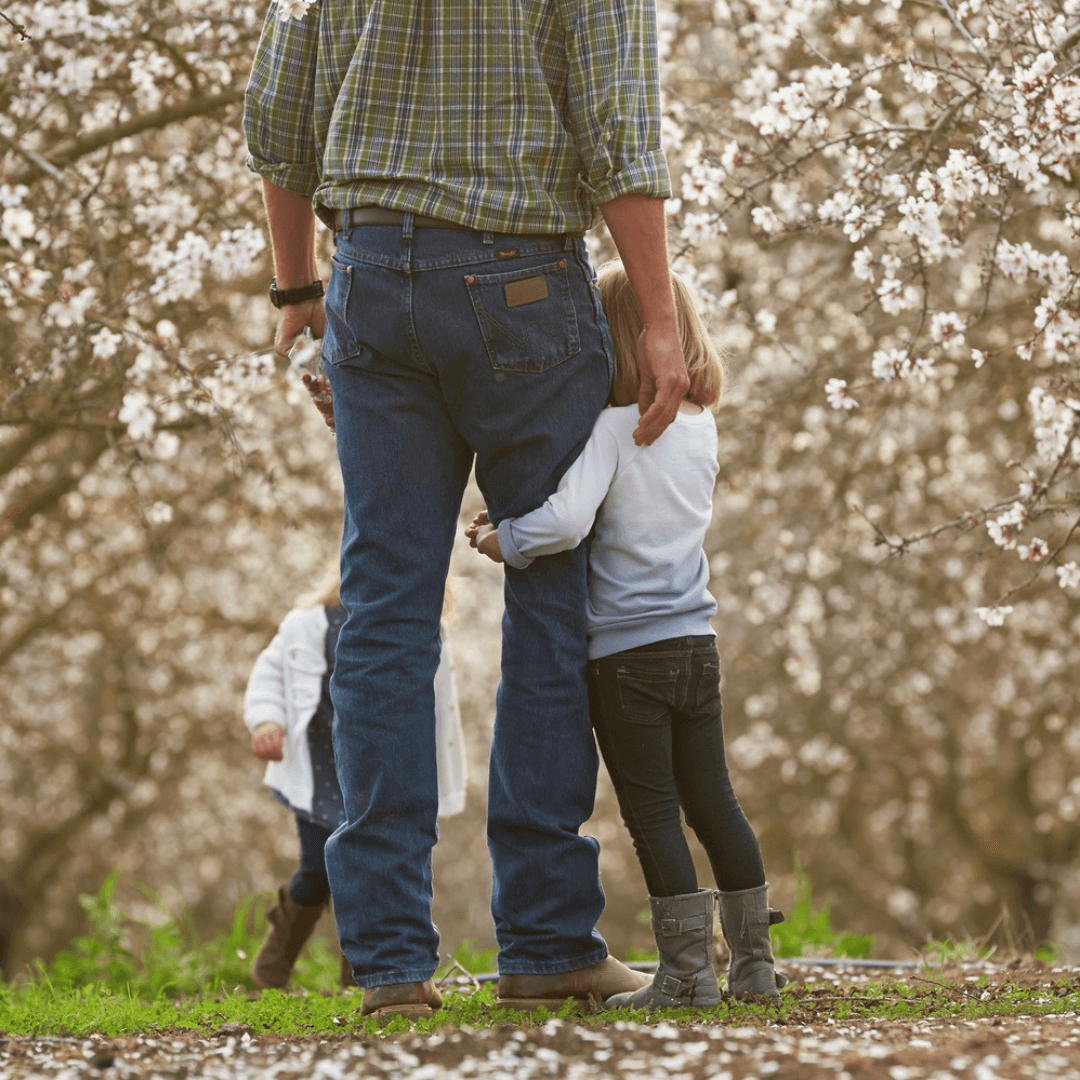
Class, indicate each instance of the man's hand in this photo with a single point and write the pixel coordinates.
(269, 745)
(484, 537)
(295, 319)
(664, 382)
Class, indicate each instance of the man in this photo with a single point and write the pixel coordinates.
(459, 151)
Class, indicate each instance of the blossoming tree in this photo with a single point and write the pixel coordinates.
(162, 500)
(877, 201)
(880, 199)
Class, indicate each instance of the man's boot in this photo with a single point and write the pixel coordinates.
(415, 1000)
(745, 918)
(345, 975)
(683, 926)
(528, 992)
(290, 927)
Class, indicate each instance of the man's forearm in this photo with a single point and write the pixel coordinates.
(292, 234)
(638, 227)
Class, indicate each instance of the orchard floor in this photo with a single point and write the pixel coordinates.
(798, 1045)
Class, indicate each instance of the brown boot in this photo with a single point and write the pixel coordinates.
(345, 975)
(290, 927)
(609, 977)
(414, 1000)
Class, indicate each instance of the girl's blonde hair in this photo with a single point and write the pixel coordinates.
(328, 592)
(704, 360)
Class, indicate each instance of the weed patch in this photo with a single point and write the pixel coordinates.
(126, 978)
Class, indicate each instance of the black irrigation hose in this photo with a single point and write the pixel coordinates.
(799, 961)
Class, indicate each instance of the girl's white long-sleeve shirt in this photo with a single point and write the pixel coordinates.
(284, 689)
(648, 574)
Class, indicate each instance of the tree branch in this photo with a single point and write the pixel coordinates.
(67, 152)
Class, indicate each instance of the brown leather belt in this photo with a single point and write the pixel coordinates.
(379, 215)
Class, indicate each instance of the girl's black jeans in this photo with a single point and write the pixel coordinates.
(657, 715)
(309, 885)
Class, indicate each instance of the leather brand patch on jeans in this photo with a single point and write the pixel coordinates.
(529, 291)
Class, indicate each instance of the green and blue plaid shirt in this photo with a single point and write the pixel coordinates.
(517, 116)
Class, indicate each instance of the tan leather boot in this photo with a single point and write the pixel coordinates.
(345, 975)
(602, 980)
(414, 1000)
(290, 927)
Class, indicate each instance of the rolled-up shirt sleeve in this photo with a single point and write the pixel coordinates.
(567, 516)
(614, 97)
(279, 102)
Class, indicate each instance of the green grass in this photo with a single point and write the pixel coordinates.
(39, 1010)
(805, 931)
(129, 977)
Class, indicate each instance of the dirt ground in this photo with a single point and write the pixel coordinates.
(800, 1044)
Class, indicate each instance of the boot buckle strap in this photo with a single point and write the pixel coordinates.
(678, 927)
(668, 984)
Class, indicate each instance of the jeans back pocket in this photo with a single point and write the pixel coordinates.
(526, 317)
(646, 693)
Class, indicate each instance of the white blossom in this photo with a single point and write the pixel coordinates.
(1068, 575)
(887, 363)
(862, 264)
(70, 308)
(946, 328)
(765, 219)
(1005, 528)
(17, 224)
(293, 9)
(166, 445)
(698, 228)
(105, 343)
(921, 80)
(1036, 551)
(836, 393)
(160, 513)
(994, 616)
(137, 414)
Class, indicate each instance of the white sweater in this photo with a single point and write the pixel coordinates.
(648, 575)
(285, 687)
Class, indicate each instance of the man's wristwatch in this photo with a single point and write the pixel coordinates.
(284, 297)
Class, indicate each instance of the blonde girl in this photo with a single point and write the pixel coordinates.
(653, 667)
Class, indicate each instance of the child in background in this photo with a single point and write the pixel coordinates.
(653, 667)
(288, 711)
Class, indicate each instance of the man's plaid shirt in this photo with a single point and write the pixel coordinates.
(516, 116)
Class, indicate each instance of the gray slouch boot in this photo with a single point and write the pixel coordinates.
(683, 926)
(745, 918)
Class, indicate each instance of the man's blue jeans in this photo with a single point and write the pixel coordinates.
(444, 345)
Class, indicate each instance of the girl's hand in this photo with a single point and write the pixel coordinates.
(484, 537)
(269, 745)
(487, 543)
(473, 530)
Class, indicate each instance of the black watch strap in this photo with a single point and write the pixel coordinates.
(284, 297)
